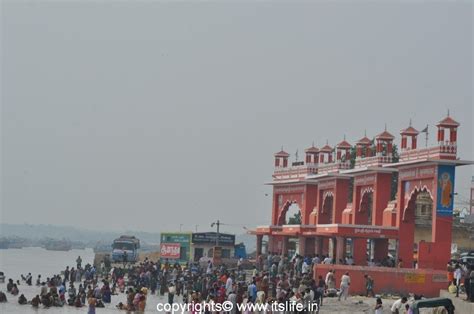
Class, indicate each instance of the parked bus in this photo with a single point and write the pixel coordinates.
(125, 249)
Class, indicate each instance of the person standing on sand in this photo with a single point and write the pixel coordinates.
(171, 292)
(79, 262)
(369, 285)
(321, 289)
(345, 283)
(252, 291)
(330, 279)
(457, 278)
(92, 303)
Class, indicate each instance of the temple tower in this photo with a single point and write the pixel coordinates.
(428, 171)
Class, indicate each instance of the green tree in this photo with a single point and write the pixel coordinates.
(395, 158)
(296, 219)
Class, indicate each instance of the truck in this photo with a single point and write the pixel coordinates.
(125, 249)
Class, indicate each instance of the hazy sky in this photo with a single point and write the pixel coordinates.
(148, 115)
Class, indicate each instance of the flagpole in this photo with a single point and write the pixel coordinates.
(426, 136)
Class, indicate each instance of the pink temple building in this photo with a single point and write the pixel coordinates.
(360, 208)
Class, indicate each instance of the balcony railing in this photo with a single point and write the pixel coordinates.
(373, 161)
(295, 172)
(300, 171)
(334, 166)
(442, 151)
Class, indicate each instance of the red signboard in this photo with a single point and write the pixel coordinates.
(170, 250)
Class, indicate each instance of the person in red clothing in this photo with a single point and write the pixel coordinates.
(221, 294)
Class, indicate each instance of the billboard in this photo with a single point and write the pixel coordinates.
(445, 192)
(210, 238)
(176, 246)
(170, 250)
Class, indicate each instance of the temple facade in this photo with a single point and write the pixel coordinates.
(364, 202)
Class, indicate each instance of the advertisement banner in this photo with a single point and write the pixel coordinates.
(210, 238)
(170, 250)
(445, 198)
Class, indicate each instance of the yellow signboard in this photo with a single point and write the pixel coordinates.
(415, 278)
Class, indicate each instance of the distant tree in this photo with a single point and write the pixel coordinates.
(296, 219)
(395, 158)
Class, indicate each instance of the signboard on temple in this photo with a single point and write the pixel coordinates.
(170, 250)
(445, 197)
(414, 278)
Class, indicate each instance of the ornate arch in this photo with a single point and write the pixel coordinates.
(364, 192)
(282, 215)
(410, 197)
(326, 196)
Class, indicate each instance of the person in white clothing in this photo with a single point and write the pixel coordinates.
(399, 305)
(457, 277)
(228, 285)
(345, 283)
(305, 268)
(209, 268)
(378, 306)
(232, 298)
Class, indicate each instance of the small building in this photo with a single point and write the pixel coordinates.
(186, 247)
(203, 244)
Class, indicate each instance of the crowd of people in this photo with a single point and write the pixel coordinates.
(60, 289)
(273, 279)
(460, 276)
(280, 280)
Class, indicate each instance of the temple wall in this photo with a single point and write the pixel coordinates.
(389, 280)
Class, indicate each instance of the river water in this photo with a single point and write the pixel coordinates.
(14, 262)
